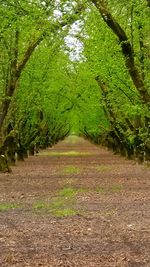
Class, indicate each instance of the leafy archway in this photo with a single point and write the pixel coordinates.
(74, 67)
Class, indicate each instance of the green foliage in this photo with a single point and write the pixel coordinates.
(56, 93)
(60, 206)
(68, 192)
(8, 206)
(64, 212)
(71, 170)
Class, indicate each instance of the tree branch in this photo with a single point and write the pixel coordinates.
(127, 50)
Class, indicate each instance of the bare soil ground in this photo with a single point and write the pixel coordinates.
(75, 205)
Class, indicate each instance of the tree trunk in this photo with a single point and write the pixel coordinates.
(118, 137)
(16, 70)
(4, 167)
(32, 149)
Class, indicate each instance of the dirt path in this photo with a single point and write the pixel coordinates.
(75, 205)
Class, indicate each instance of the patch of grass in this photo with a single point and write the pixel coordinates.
(70, 170)
(61, 202)
(66, 153)
(59, 207)
(40, 205)
(64, 212)
(62, 205)
(58, 203)
(8, 206)
(68, 192)
(102, 168)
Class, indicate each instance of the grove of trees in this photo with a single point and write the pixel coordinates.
(74, 67)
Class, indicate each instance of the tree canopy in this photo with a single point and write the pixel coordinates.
(75, 67)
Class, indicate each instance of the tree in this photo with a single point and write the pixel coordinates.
(127, 49)
(26, 32)
(127, 113)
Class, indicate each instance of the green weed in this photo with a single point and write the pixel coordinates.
(58, 203)
(40, 205)
(59, 207)
(62, 205)
(64, 212)
(70, 170)
(68, 192)
(8, 206)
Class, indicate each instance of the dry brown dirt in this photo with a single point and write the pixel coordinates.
(75, 205)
